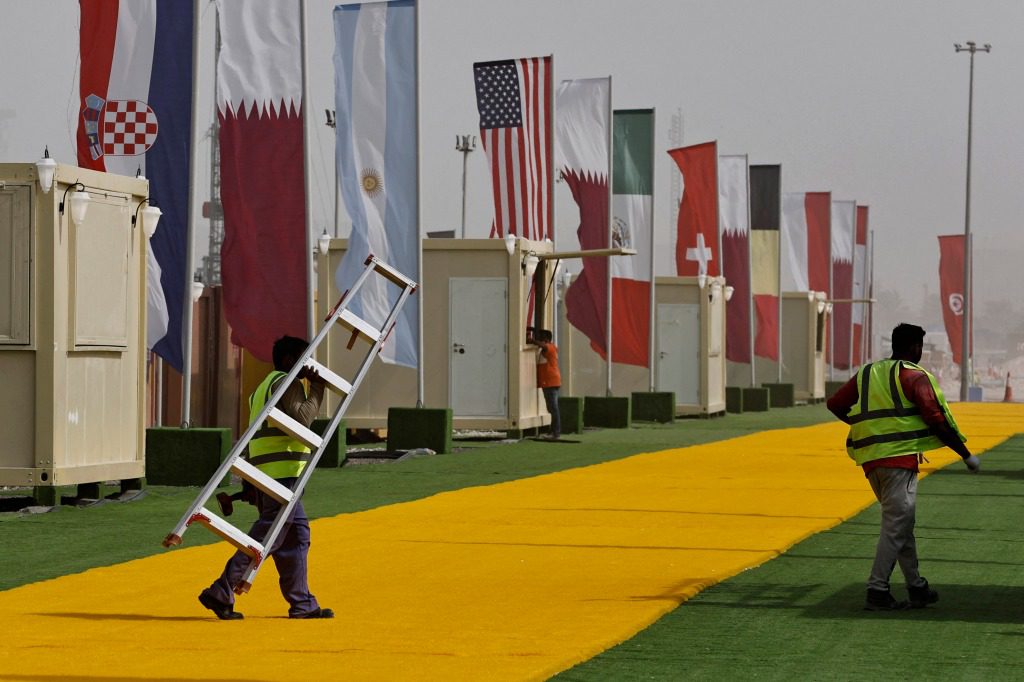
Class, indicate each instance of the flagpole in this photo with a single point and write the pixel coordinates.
(419, 219)
(310, 239)
(778, 284)
(871, 292)
(193, 201)
(750, 280)
(831, 295)
(608, 262)
(853, 262)
(653, 305)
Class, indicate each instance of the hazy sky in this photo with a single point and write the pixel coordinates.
(865, 98)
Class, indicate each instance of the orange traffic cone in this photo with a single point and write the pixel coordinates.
(1008, 393)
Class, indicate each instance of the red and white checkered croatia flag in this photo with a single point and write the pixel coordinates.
(514, 98)
(129, 127)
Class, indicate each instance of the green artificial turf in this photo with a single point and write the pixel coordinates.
(67, 540)
(800, 616)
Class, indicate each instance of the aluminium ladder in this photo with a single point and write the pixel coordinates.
(236, 463)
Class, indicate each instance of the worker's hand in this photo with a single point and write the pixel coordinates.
(314, 376)
(973, 464)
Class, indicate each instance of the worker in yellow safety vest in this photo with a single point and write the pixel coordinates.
(282, 457)
(896, 412)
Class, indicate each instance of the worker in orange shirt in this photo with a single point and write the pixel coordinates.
(549, 379)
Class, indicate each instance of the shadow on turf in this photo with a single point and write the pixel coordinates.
(957, 603)
(64, 677)
(120, 616)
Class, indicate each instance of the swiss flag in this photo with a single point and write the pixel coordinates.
(697, 242)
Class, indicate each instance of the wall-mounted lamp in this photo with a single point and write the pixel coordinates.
(150, 216)
(729, 292)
(323, 243)
(79, 202)
(45, 168)
(530, 262)
(715, 293)
(828, 308)
(197, 290)
(510, 243)
(566, 278)
(821, 307)
(702, 280)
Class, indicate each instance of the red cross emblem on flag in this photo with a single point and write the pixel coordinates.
(129, 127)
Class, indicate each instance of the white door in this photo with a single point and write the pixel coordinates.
(477, 333)
(679, 351)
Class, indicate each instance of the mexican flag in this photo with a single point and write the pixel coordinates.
(632, 228)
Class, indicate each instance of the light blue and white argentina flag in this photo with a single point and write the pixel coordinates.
(375, 89)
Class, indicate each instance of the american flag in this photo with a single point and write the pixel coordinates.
(514, 99)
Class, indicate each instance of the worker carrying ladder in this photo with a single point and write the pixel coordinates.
(236, 462)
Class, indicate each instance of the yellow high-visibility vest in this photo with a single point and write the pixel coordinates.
(273, 451)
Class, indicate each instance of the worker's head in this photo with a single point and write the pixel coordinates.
(543, 335)
(907, 342)
(287, 350)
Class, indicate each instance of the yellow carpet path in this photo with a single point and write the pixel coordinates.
(506, 582)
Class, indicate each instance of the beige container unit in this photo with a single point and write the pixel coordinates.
(72, 329)
(689, 353)
(804, 321)
(475, 299)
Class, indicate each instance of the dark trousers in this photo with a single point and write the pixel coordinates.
(551, 400)
(289, 553)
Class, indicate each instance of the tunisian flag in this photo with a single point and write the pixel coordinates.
(697, 243)
(259, 104)
(765, 207)
(582, 155)
(860, 289)
(844, 217)
(734, 199)
(806, 241)
(951, 289)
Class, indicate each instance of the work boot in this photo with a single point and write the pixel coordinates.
(922, 595)
(226, 504)
(219, 608)
(318, 613)
(882, 600)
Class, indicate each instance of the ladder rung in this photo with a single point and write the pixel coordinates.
(389, 272)
(357, 324)
(259, 479)
(295, 429)
(335, 381)
(224, 529)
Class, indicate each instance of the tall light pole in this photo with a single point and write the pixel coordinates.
(968, 307)
(464, 144)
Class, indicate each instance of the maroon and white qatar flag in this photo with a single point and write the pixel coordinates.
(806, 241)
(951, 289)
(514, 99)
(734, 203)
(844, 217)
(259, 104)
(860, 290)
(698, 247)
(583, 157)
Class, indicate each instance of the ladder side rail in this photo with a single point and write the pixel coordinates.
(285, 512)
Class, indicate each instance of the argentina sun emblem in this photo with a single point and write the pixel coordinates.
(371, 181)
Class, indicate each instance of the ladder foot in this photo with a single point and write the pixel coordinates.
(171, 540)
(242, 587)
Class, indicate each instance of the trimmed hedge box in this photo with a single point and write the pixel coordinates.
(831, 387)
(734, 399)
(781, 395)
(755, 399)
(185, 456)
(570, 411)
(420, 427)
(334, 454)
(609, 412)
(654, 406)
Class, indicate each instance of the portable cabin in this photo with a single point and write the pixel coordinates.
(689, 351)
(72, 326)
(478, 298)
(804, 321)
